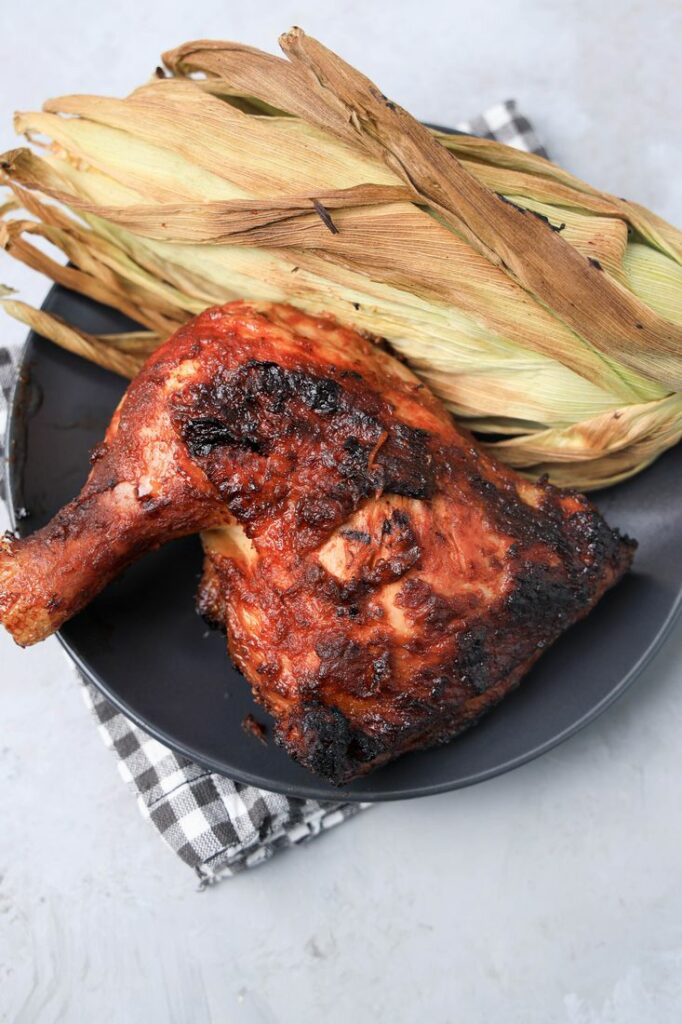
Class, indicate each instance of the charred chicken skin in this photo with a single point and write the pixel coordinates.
(383, 582)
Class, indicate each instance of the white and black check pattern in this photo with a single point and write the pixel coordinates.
(505, 124)
(218, 827)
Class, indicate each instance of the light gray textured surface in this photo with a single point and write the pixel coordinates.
(549, 895)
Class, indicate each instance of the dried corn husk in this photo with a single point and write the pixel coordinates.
(541, 310)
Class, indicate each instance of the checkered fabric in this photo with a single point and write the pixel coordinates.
(218, 827)
(215, 825)
(504, 123)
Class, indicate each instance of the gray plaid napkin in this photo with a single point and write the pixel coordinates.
(218, 827)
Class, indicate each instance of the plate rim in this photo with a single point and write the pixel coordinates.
(311, 790)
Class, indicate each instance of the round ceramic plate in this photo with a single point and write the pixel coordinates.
(142, 643)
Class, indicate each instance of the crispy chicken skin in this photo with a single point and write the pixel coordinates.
(383, 582)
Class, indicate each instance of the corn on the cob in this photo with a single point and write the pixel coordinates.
(546, 314)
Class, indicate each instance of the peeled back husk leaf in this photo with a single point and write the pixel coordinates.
(123, 353)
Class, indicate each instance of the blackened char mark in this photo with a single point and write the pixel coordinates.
(263, 409)
(353, 461)
(407, 463)
(543, 599)
(232, 409)
(204, 434)
(582, 539)
(320, 394)
(593, 536)
(358, 535)
(330, 746)
(474, 664)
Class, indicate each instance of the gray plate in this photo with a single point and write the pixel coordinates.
(143, 645)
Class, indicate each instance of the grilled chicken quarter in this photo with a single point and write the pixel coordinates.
(382, 581)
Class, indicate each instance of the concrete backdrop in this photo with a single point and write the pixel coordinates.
(549, 895)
